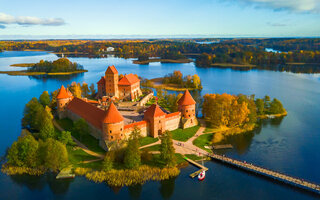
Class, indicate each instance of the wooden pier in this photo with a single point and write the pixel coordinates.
(202, 168)
(268, 173)
(222, 146)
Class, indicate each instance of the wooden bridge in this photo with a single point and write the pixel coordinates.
(268, 173)
(202, 168)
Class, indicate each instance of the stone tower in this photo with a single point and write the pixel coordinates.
(113, 125)
(187, 107)
(63, 98)
(157, 120)
(111, 82)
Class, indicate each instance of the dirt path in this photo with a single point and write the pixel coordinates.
(149, 145)
(82, 146)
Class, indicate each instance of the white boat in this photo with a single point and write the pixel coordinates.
(202, 175)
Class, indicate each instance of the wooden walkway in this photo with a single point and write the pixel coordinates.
(202, 168)
(268, 173)
(222, 146)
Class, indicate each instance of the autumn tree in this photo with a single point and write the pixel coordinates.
(85, 89)
(47, 129)
(75, 89)
(132, 157)
(276, 107)
(92, 90)
(196, 82)
(108, 160)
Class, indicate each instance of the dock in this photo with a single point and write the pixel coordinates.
(222, 146)
(65, 173)
(202, 168)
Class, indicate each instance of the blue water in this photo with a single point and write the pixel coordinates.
(289, 145)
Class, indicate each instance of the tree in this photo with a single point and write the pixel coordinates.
(107, 163)
(85, 89)
(47, 129)
(24, 152)
(53, 102)
(196, 82)
(266, 101)
(81, 128)
(167, 152)
(132, 157)
(33, 114)
(54, 154)
(65, 137)
(92, 90)
(276, 107)
(260, 106)
(45, 99)
(75, 88)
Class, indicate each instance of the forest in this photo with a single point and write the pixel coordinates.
(60, 65)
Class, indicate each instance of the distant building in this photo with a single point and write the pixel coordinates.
(128, 87)
(110, 49)
(108, 126)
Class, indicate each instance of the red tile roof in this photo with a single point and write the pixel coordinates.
(186, 99)
(153, 111)
(112, 70)
(129, 79)
(172, 114)
(112, 115)
(63, 93)
(135, 124)
(88, 112)
(102, 81)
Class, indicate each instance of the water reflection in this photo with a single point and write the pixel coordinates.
(135, 191)
(45, 77)
(57, 186)
(167, 188)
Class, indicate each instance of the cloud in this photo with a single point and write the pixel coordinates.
(27, 20)
(306, 6)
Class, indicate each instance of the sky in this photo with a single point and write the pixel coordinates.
(40, 19)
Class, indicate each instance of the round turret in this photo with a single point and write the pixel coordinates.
(113, 124)
(63, 98)
(187, 105)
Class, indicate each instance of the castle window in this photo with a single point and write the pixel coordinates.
(187, 110)
(121, 130)
(111, 137)
(110, 131)
(159, 121)
(189, 115)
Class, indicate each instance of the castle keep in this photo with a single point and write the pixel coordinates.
(109, 125)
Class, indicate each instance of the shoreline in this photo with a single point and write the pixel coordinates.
(26, 73)
(157, 84)
(23, 65)
(145, 62)
(231, 65)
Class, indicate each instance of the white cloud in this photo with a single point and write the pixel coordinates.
(308, 6)
(27, 20)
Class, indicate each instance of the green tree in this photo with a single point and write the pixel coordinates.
(260, 106)
(47, 129)
(32, 114)
(44, 99)
(108, 160)
(167, 152)
(81, 128)
(24, 152)
(132, 157)
(266, 101)
(276, 107)
(65, 137)
(54, 154)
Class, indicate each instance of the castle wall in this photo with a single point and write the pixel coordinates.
(113, 132)
(173, 121)
(187, 123)
(142, 125)
(145, 99)
(94, 131)
(187, 111)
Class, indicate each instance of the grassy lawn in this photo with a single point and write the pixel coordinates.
(192, 157)
(203, 140)
(147, 140)
(90, 142)
(153, 148)
(157, 162)
(65, 123)
(184, 134)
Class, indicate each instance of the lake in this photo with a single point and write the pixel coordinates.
(289, 145)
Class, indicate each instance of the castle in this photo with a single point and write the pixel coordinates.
(128, 87)
(109, 126)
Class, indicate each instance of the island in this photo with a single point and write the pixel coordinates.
(122, 134)
(145, 62)
(174, 81)
(61, 66)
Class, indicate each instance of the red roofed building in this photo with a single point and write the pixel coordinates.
(128, 87)
(156, 118)
(187, 107)
(113, 124)
(63, 98)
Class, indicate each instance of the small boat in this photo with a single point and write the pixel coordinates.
(202, 175)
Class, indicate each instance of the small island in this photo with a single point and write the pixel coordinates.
(174, 81)
(62, 66)
(145, 62)
(78, 131)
